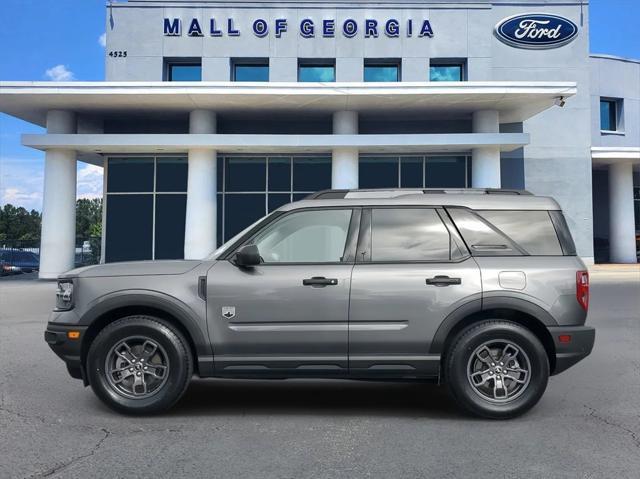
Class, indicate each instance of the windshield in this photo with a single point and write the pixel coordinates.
(222, 249)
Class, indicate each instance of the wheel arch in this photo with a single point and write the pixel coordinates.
(512, 310)
(112, 309)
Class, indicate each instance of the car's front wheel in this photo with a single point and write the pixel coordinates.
(139, 365)
(497, 369)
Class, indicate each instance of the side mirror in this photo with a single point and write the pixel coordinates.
(247, 256)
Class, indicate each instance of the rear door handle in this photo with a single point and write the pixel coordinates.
(319, 281)
(443, 281)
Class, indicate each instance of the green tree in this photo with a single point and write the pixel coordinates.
(88, 218)
(16, 223)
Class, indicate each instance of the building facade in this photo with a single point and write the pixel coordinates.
(214, 113)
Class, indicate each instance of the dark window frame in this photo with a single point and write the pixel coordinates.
(249, 62)
(169, 63)
(317, 62)
(382, 63)
(616, 115)
(449, 62)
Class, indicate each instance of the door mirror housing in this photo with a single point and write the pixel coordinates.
(248, 256)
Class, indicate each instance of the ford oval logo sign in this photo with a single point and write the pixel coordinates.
(536, 31)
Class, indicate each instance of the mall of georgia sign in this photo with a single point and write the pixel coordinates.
(536, 31)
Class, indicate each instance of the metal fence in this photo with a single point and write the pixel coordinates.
(27, 252)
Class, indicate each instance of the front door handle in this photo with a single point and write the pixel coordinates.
(443, 281)
(319, 281)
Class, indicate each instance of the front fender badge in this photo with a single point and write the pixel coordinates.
(229, 312)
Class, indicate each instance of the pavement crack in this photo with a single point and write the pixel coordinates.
(60, 467)
(594, 414)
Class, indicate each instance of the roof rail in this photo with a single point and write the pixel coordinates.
(394, 192)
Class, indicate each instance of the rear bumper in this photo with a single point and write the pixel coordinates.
(579, 347)
(69, 350)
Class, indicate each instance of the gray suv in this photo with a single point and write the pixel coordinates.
(478, 289)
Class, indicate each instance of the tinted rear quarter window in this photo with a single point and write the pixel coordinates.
(409, 234)
(481, 238)
(532, 230)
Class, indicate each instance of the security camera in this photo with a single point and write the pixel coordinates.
(559, 101)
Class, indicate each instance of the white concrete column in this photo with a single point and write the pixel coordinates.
(200, 224)
(485, 161)
(622, 230)
(344, 164)
(58, 234)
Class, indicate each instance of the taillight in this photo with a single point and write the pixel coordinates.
(582, 289)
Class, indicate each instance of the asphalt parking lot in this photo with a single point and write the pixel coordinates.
(586, 425)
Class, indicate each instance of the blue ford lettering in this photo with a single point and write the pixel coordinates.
(536, 31)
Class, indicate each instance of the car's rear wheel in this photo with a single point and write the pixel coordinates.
(139, 365)
(496, 369)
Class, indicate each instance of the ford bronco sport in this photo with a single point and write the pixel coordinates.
(479, 289)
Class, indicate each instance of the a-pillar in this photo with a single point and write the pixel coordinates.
(200, 224)
(58, 234)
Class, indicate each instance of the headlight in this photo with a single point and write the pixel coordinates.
(64, 295)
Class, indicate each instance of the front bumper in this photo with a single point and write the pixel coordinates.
(576, 349)
(69, 350)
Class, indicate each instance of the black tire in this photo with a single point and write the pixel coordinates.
(461, 361)
(171, 345)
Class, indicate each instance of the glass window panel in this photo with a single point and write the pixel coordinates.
(170, 219)
(220, 172)
(305, 237)
(129, 227)
(381, 73)
(532, 230)
(276, 200)
(411, 174)
(185, 72)
(608, 115)
(279, 174)
(445, 72)
(316, 73)
(300, 196)
(171, 174)
(219, 233)
(130, 175)
(240, 210)
(481, 239)
(245, 174)
(445, 172)
(410, 234)
(311, 174)
(378, 172)
(251, 72)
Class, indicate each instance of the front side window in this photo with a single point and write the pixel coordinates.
(446, 71)
(410, 234)
(313, 236)
(184, 71)
(608, 115)
(317, 71)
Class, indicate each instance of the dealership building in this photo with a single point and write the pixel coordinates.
(214, 113)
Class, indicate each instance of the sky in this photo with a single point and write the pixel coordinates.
(63, 40)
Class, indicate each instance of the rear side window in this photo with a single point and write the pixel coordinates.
(532, 230)
(482, 238)
(409, 234)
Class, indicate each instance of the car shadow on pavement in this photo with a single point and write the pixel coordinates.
(316, 397)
